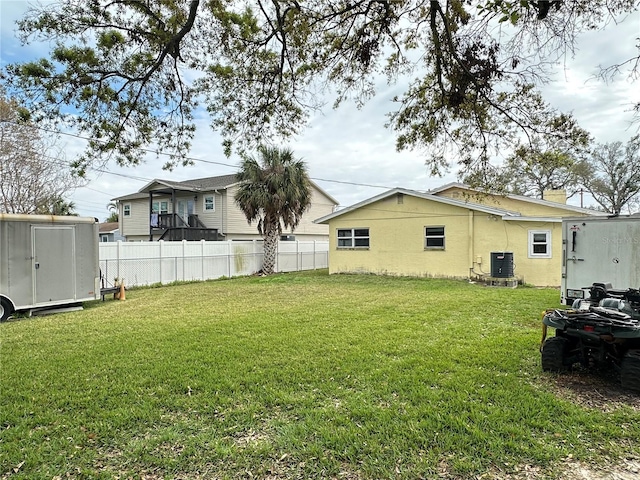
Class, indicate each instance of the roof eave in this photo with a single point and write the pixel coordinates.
(509, 218)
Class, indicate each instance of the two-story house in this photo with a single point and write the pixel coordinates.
(205, 209)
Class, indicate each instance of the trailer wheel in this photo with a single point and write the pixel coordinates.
(554, 352)
(5, 309)
(630, 370)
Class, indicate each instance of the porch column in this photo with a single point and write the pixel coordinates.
(174, 223)
(149, 216)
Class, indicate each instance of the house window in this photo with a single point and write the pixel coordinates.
(209, 203)
(104, 238)
(160, 207)
(434, 238)
(539, 244)
(353, 238)
(126, 210)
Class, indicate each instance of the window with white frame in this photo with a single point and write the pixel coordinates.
(353, 238)
(434, 238)
(539, 244)
(209, 203)
(126, 210)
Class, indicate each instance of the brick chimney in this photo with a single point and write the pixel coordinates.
(557, 196)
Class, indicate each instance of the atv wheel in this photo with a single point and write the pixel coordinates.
(554, 355)
(630, 370)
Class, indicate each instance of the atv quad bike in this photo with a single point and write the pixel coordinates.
(599, 332)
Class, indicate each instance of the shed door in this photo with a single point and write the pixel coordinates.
(54, 264)
(598, 252)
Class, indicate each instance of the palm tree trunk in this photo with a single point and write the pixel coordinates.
(270, 251)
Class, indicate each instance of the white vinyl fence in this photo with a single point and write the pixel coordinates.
(147, 263)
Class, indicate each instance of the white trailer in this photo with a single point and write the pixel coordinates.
(47, 261)
(599, 250)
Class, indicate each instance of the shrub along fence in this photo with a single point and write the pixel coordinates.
(147, 263)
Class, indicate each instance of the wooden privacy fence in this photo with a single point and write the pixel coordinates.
(148, 263)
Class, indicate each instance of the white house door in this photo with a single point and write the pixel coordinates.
(186, 208)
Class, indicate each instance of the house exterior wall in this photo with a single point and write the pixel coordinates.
(321, 205)
(397, 242)
(137, 223)
(237, 227)
(396, 232)
(235, 222)
(212, 219)
(496, 235)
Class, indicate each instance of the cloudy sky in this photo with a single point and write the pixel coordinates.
(351, 147)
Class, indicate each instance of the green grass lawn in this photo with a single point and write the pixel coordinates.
(300, 375)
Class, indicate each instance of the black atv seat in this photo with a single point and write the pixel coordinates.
(598, 291)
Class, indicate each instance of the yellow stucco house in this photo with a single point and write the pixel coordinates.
(452, 232)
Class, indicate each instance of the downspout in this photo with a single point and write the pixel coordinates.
(471, 241)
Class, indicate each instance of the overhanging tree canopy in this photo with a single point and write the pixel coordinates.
(130, 73)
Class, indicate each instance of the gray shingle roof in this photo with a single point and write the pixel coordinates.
(107, 227)
(201, 184)
(205, 184)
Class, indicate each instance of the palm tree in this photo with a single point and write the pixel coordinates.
(275, 191)
(57, 206)
(113, 212)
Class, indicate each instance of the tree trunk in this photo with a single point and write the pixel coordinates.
(270, 251)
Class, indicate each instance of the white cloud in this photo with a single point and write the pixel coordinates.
(602, 106)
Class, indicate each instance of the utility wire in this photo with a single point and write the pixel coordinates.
(193, 159)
